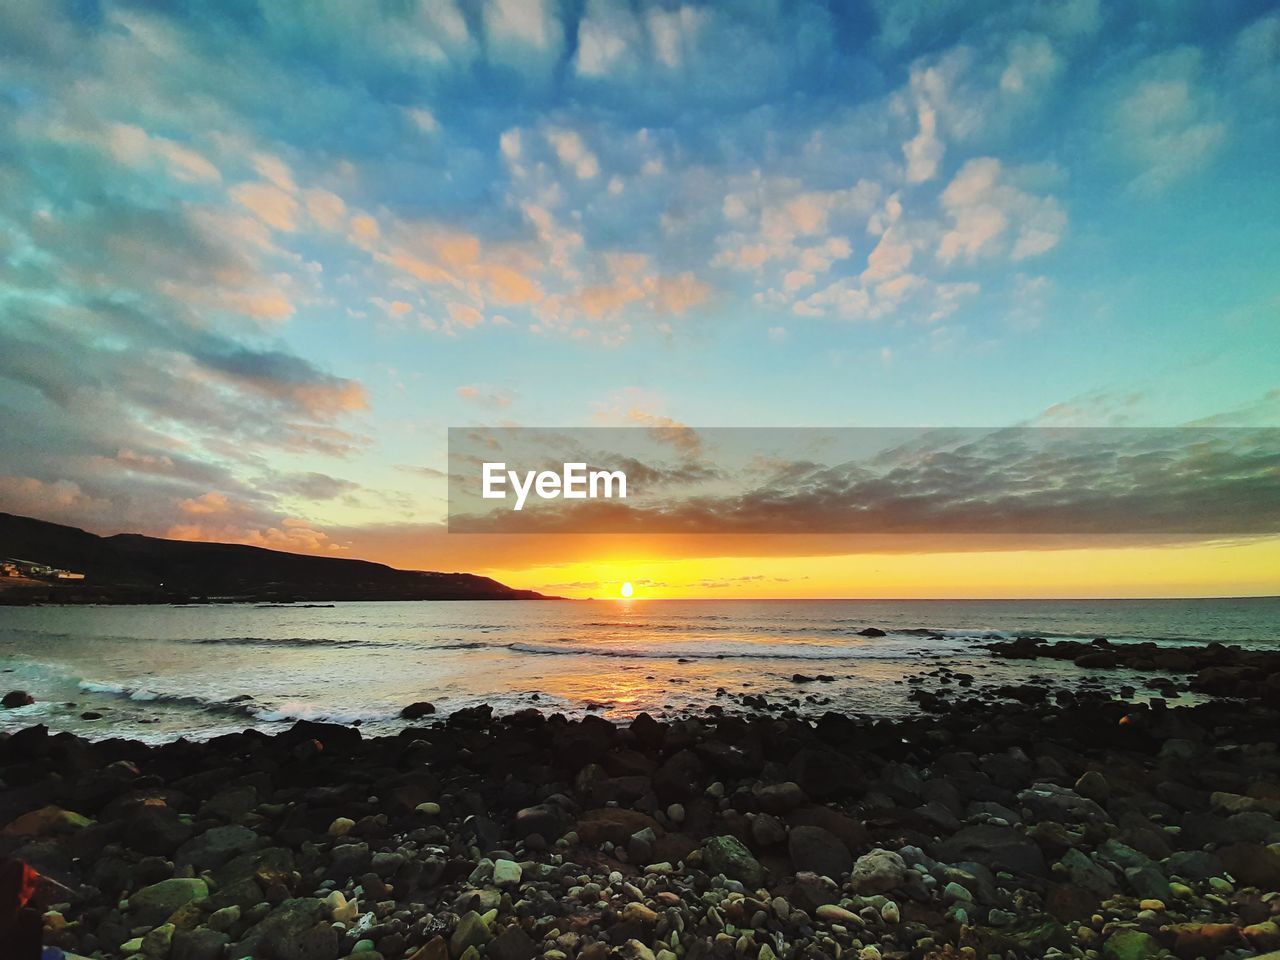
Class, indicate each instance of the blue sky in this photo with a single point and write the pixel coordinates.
(259, 256)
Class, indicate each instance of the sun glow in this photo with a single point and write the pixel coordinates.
(627, 590)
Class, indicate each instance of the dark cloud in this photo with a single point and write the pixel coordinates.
(1192, 481)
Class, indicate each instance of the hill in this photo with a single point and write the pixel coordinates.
(137, 569)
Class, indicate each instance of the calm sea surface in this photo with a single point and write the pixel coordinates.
(158, 672)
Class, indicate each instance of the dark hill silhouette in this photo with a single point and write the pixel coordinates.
(130, 567)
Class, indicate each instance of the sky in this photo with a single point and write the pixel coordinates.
(257, 257)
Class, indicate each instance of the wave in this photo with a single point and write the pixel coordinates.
(235, 706)
(293, 642)
(629, 653)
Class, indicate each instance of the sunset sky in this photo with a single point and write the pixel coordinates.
(257, 257)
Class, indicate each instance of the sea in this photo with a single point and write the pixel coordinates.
(156, 673)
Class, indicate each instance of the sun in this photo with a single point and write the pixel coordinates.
(627, 590)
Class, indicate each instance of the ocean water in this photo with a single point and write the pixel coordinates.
(159, 672)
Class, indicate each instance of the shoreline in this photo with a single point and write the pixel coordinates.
(1064, 824)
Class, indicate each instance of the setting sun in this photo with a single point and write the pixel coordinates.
(628, 590)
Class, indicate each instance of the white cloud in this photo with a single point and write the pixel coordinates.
(989, 215)
(573, 152)
(525, 34)
(1165, 122)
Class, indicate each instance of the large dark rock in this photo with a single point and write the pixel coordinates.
(818, 851)
(995, 847)
(215, 847)
(682, 776)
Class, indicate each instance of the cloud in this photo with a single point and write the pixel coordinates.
(1181, 482)
(573, 153)
(490, 397)
(1166, 121)
(990, 215)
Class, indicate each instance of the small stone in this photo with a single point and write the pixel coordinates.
(340, 909)
(956, 891)
(341, 827)
(1156, 905)
(428, 809)
(675, 813)
(639, 913)
(889, 912)
(834, 913)
(506, 873)
(1130, 945)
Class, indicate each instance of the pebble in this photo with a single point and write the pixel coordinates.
(341, 826)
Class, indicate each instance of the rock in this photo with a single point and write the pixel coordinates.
(512, 944)
(418, 710)
(727, 855)
(779, 797)
(216, 846)
(506, 873)
(995, 847)
(340, 909)
(1092, 785)
(1130, 945)
(878, 872)
(1194, 865)
(155, 904)
(871, 632)
(639, 913)
(680, 778)
(613, 824)
(434, 949)
(200, 943)
(767, 830)
(294, 930)
(545, 819)
(819, 851)
(1263, 936)
(811, 890)
(157, 942)
(641, 845)
(831, 913)
(16, 698)
(1048, 801)
(46, 821)
(224, 919)
(1203, 939)
(1253, 864)
(340, 826)
(471, 931)
(635, 950)
(1087, 875)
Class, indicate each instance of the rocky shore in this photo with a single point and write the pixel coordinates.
(1057, 824)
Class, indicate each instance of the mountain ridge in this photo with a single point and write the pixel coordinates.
(135, 568)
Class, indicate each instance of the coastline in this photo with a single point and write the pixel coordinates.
(1053, 824)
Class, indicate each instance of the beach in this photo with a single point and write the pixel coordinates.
(1013, 819)
(158, 672)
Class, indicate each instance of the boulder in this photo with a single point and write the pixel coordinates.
(878, 872)
(818, 851)
(727, 855)
(154, 904)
